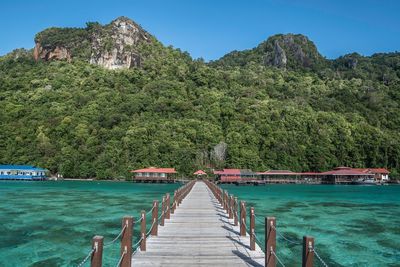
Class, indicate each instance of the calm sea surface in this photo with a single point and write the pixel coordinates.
(52, 223)
(352, 225)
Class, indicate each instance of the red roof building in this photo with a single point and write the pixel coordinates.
(380, 174)
(235, 175)
(199, 173)
(153, 174)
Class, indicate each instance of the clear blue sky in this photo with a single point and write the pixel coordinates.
(211, 28)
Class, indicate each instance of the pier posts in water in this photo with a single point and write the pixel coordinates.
(126, 241)
(97, 255)
(308, 251)
(154, 229)
(270, 241)
(168, 214)
(143, 231)
(252, 230)
(242, 218)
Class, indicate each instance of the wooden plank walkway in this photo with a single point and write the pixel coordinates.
(199, 233)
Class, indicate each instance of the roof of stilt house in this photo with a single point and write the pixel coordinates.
(200, 172)
(155, 170)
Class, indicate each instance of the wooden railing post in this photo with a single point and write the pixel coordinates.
(154, 230)
(308, 251)
(228, 203)
(143, 231)
(231, 207)
(242, 218)
(235, 211)
(168, 214)
(126, 241)
(97, 256)
(270, 241)
(174, 203)
(252, 230)
(163, 211)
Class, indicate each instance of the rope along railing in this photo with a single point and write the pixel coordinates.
(279, 260)
(86, 258)
(230, 204)
(121, 258)
(126, 233)
(319, 258)
(116, 238)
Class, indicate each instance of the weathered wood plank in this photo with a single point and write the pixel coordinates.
(199, 233)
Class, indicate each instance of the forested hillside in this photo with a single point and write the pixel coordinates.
(84, 120)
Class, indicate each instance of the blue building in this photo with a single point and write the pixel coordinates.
(22, 172)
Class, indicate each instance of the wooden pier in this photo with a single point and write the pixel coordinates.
(202, 225)
(199, 233)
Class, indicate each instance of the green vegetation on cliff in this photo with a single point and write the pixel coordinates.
(83, 120)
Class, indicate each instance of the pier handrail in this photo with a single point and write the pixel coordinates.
(128, 223)
(269, 223)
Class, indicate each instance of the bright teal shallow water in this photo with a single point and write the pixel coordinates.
(52, 223)
(352, 225)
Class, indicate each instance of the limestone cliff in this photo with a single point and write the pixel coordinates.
(50, 53)
(113, 46)
(285, 51)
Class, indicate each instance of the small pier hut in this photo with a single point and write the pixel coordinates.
(154, 175)
(344, 175)
(22, 172)
(280, 176)
(235, 176)
(380, 174)
(200, 174)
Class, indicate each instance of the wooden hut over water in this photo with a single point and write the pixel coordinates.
(236, 176)
(154, 175)
(200, 174)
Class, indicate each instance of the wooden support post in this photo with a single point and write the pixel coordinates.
(178, 193)
(174, 203)
(235, 211)
(168, 214)
(223, 199)
(242, 218)
(143, 232)
(270, 241)
(252, 229)
(163, 211)
(154, 230)
(227, 202)
(97, 256)
(308, 251)
(126, 241)
(231, 205)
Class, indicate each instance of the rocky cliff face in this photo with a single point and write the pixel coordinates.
(290, 50)
(285, 51)
(51, 53)
(113, 46)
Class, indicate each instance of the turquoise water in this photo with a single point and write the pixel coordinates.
(52, 223)
(352, 225)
